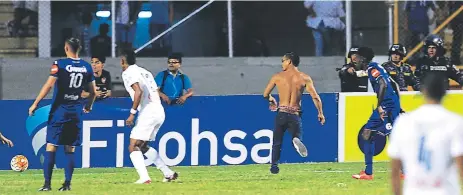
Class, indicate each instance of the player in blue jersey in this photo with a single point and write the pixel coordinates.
(388, 108)
(68, 76)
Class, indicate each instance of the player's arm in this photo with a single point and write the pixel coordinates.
(382, 90)
(456, 148)
(91, 96)
(5, 140)
(43, 92)
(309, 86)
(396, 166)
(137, 95)
(136, 102)
(394, 152)
(271, 84)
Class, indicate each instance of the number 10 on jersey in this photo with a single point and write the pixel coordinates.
(76, 80)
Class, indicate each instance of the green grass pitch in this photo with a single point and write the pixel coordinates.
(316, 178)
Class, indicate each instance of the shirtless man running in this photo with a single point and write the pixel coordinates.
(290, 84)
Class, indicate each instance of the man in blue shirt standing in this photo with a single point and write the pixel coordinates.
(172, 83)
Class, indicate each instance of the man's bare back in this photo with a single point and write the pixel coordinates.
(290, 86)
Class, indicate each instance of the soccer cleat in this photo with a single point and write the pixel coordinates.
(143, 181)
(274, 169)
(362, 176)
(171, 178)
(300, 147)
(65, 187)
(45, 188)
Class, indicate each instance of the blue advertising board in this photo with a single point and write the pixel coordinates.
(207, 130)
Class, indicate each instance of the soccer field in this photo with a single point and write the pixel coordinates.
(317, 179)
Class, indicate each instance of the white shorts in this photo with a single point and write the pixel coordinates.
(147, 126)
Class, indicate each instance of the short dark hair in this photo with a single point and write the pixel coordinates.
(435, 84)
(293, 57)
(176, 56)
(74, 43)
(130, 57)
(102, 58)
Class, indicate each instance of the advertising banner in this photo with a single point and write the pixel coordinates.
(207, 130)
(355, 110)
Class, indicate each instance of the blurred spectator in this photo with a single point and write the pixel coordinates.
(102, 78)
(161, 19)
(327, 28)
(66, 33)
(417, 21)
(101, 44)
(126, 21)
(457, 27)
(353, 78)
(87, 18)
(22, 10)
(172, 83)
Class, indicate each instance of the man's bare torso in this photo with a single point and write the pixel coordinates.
(290, 86)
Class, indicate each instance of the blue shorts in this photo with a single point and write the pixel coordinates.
(375, 123)
(65, 127)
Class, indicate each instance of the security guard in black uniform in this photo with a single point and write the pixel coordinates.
(353, 78)
(435, 61)
(402, 73)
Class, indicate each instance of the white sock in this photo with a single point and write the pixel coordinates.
(152, 154)
(139, 163)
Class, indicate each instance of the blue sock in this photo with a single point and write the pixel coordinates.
(369, 149)
(69, 168)
(48, 165)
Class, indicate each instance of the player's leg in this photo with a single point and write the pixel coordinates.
(278, 133)
(69, 168)
(138, 161)
(368, 133)
(368, 149)
(70, 137)
(48, 164)
(54, 128)
(153, 155)
(154, 124)
(295, 127)
(389, 121)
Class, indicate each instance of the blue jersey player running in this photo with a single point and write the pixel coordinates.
(388, 108)
(68, 76)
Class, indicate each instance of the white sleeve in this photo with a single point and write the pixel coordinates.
(456, 145)
(131, 78)
(401, 124)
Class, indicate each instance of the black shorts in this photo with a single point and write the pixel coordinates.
(291, 122)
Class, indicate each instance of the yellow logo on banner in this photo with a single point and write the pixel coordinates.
(357, 109)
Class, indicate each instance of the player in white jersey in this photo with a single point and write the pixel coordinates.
(428, 142)
(143, 90)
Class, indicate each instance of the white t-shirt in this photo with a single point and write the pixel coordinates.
(136, 74)
(426, 141)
